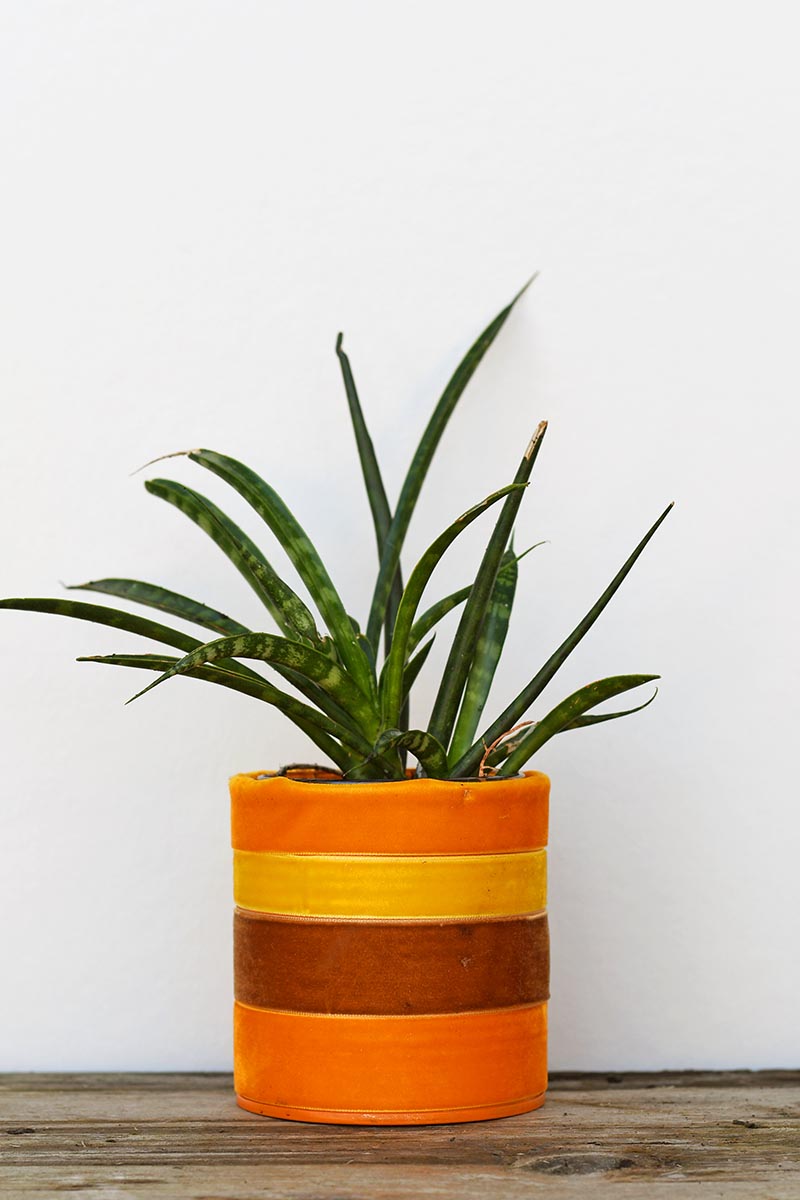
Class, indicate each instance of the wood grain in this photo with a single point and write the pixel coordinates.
(686, 1134)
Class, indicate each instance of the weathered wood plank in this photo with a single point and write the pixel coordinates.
(373, 1183)
(110, 1137)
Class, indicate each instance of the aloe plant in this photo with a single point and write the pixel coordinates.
(355, 691)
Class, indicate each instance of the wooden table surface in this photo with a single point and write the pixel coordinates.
(692, 1134)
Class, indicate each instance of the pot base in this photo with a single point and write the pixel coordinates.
(437, 1116)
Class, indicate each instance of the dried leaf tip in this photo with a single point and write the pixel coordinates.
(161, 457)
(537, 437)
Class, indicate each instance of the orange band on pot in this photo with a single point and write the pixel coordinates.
(475, 885)
(357, 1069)
(380, 968)
(411, 816)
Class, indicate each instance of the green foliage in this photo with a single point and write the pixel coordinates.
(356, 700)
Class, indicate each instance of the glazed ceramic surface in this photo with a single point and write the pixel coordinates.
(391, 954)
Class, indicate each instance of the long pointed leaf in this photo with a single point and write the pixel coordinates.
(391, 685)
(433, 615)
(98, 614)
(268, 648)
(172, 603)
(597, 718)
(302, 553)
(468, 763)
(116, 618)
(462, 650)
(488, 649)
(373, 481)
(319, 728)
(243, 553)
(425, 748)
(414, 666)
(565, 713)
(422, 461)
(441, 608)
(502, 751)
(291, 614)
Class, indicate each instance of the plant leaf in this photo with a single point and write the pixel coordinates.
(468, 763)
(245, 555)
(266, 647)
(315, 725)
(462, 650)
(598, 718)
(391, 685)
(425, 748)
(488, 649)
(116, 618)
(502, 751)
(100, 615)
(565, 713)
(373, 481)
(172, 603)
(441, 608)
(414, 666)
(302, 553)
(423, 625)
(291, 614)
(422, 461)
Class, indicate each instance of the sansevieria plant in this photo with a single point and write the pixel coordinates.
(391, 943)
(355, 683)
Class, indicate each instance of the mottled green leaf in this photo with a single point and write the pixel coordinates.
(172, 603)
(115, 618)
(391, 685)
(425, 748)
(373, 481)
(315, 725)
(488, 649)
(265, 647)
(414, 666)
(301, 552)
(290, 613)
(565, 713)
(505, 748)
(441, 608)
(433, 615)
(598, 718)
(455, 674)
(511, 716)
(98, 614)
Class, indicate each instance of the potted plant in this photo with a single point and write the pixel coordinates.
(391, 944)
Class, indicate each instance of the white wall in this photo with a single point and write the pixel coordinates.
(196, 196)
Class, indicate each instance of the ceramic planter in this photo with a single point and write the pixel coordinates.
(391, 948)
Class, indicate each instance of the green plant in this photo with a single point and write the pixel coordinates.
(355, 712)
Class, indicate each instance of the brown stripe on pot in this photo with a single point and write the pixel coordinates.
(382, 968)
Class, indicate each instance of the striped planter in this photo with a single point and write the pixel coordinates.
(391, 953)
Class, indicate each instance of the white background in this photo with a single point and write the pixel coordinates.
(195, 197)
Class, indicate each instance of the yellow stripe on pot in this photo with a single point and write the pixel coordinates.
(440, 886)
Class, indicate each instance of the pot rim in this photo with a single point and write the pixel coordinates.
(310, 774)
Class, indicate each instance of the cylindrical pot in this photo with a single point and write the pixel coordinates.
(391, 948)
